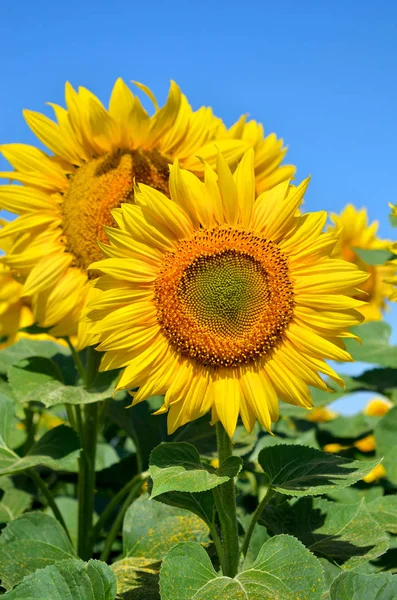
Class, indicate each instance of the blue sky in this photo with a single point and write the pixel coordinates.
(322, 75)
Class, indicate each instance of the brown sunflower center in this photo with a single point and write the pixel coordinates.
(99, 186)
(224, 297)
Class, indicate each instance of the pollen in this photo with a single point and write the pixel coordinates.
(98, 187)
(224, 297)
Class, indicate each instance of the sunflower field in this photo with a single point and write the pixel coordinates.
(173, 331)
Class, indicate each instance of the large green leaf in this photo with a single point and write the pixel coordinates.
(349, 427)
(33, 541)
(375, 347)
(58, 449)
(151, 528)
(177, 467)
(27, 348)
(68, 580)
(284, 569)
(137, 578)
(69, 511)
(29, 374)
(303, 471)
(386, 443)
(336, 531)
(355, 586)
(201, 504)
(384, 510)
(13, 502)
(7, 419)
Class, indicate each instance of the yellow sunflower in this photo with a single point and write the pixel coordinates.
(355, 232)
(67, 197)
(221, 301)
(269, 152)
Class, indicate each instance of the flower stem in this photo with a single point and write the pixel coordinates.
(225, 499)
(87, 424)
(77, 360)
(134, 491)
(266, 498)
(44, 489)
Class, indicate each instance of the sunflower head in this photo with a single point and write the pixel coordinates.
(67, 197)
(269, 152)
(356, 233)
(222, 300)
(377, 407)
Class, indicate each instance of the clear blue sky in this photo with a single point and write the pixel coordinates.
(322, 75)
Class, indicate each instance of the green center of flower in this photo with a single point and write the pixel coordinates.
(225, 292)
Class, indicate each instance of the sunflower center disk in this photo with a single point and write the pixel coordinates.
(224, 297)
(98, 187)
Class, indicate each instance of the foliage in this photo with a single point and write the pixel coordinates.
(323, 499)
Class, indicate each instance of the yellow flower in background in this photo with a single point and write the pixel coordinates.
(321, 414)
(377, 473)
(269, 152)
(377, 407)
(220, 300)
(355, 232)
(366, 444)
(334, 448)
(65, 199)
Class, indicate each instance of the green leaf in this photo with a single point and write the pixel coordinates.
(150, 529)
(29, 374)
(355, 586)
(308, 438)
(374, 257)
(386, 443)
(379, 380)
(349, 427)
(31, 542)
(284, 569)
(353, 495)
(7, 419)
(177, 467)
(343, 533)
(58, 449)
(375, 347)
(69, 511)
(384, 510)
(302, 471)
(55, 392)
(26, 348)
(393, 220)
(201, 504)
(68, 580)
(14, 501)
(137, 578)
(105, 457)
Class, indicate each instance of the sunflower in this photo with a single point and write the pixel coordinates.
(269, 152)
(393, 280)
(356, 233)
(221, 301)
(67, 197)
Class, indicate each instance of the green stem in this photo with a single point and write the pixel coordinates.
(225, 499)
(266, 498)
(77, 360)
(44, 489)
(134, 491)
(92, 365)
(114, 502)
(87, 480)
